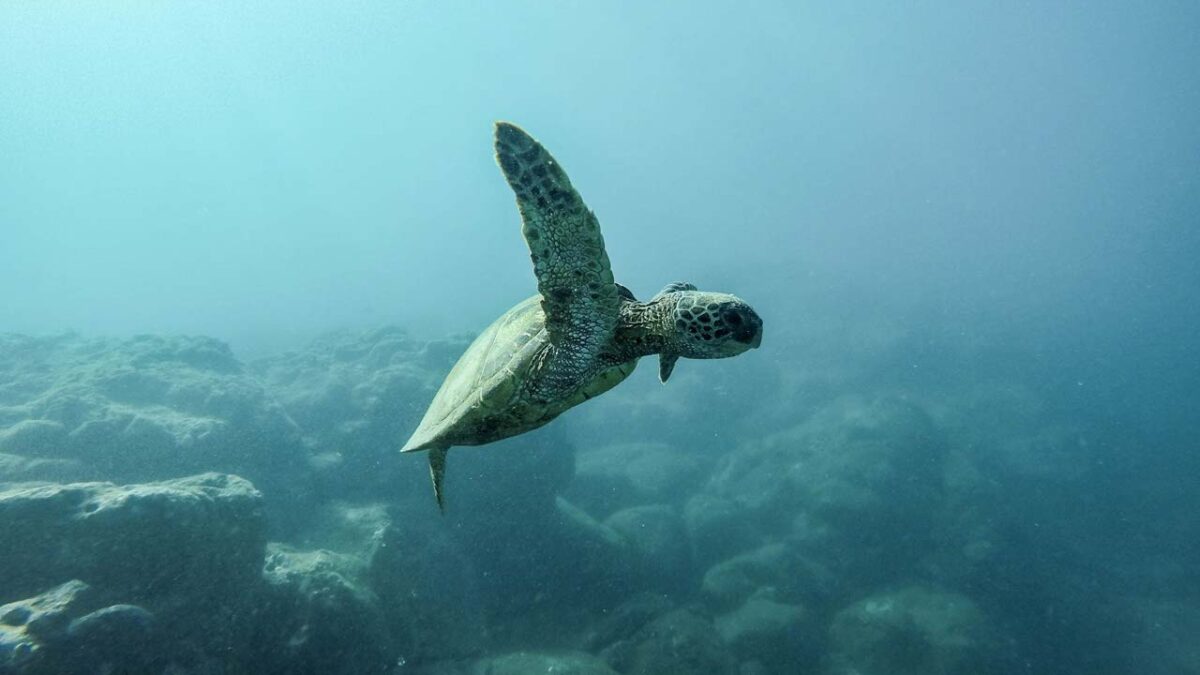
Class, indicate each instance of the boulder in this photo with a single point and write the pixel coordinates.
(522, 540)
(424, 582)
(34, 437)
(624, 621)
(718, 529)
(320, 617)
(611, 477)
(357, 396)
(781, 637)
(428, 588)
(777, 569)
(660, 547)
(679, 642)
(855, 462)
(201, 536)
(527, 663)
(147, 408)
(67, 630)
(18, 469)
(915, 631)
(857, 487)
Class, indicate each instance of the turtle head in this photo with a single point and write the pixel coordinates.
(710, 325)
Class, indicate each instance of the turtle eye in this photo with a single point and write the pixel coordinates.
(732, 317)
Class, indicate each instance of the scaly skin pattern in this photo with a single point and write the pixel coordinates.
(579, 297)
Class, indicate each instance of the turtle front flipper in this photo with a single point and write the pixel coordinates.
(580, 300)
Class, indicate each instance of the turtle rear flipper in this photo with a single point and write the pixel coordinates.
(437, 471)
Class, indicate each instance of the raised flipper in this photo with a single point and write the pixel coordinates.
(579, 297)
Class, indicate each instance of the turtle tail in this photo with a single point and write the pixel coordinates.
(437, 471)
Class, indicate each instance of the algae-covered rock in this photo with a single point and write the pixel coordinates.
(67, 630)
(428, 588)
(660, 548)
(30, 628)
(611, 477)
(146, 408)
(717, 528)
(914, 631)
(855, 463)
(777, 568)
(855, 488)
(18, 469)
(198, 535)
(35, 437)
(504, 511)
(422, 579)
(624, 621)
(173, 566)
(780, 636)
(356, 396)
(321, 617)
(679, 642)
(529, 663)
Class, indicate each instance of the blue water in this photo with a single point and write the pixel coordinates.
(970, 229)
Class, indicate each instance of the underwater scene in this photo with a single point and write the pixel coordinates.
(599, 338)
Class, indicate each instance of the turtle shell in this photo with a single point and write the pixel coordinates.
(485, 397)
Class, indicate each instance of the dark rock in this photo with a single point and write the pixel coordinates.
(782, 637)
(504, 512)
(147, 408)
(599, 557)
(819, 467)
(660, 545)
(623, 622)
(527, 663)
(423, 580)
(118, 633)
(754, 667)
(680, 642)
(717, 528)
(108, 624)
(37, 438)
(777, 568)
(856, 488)
(357, 397)
(428, 588)
(320, 616)
(917, 631)
(47, 615)
(197, 536)
(60, 632)
(611, 477)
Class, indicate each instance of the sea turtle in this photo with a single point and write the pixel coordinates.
(580, 335)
